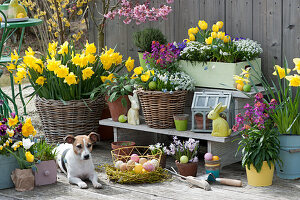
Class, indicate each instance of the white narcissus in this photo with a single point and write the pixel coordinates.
(27, 143)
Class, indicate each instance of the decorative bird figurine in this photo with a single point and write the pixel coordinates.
(15, 10)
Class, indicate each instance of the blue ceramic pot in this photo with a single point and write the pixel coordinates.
(290, 156)
(8, 164)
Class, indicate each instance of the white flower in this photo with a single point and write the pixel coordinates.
(151, 147)
(27, 143)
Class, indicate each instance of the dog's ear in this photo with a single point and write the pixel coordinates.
(69, 139)
(94, 137)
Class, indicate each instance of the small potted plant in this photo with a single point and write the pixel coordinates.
(185, 154)
(117, 87)
(155, 150)
(259, 141)
(46, 168)
(143, 40)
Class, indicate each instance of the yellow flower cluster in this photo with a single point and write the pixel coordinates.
(110, 57)
(145, 75)
(129, 64)
(28, 129)
(6, 144)
(16, 145)
(110, 77)
(282, 73)
(243, 79)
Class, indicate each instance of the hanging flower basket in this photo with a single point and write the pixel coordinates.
(75, 117)
(159, 107)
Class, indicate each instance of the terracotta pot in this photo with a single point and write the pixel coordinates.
(199, 122)
(23, 179)
(46, 173)
(124, 151)
(187, 169)
(116, 108)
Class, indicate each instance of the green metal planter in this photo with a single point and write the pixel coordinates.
(290, 156)
(8, 164)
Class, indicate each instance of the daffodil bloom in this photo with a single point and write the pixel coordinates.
(215, 28)
(246, 72)
(28, 129)
(62, 71)
(29, 52)
(40, 80)
(87, 73)
(14, 57)
(297, 65)
(214, 34)
(192, 37)
(52, 64)
(111, 77)
(64, 48)
(145, 77)
(226, 39)
(90, 58)
(129, 64)
(294, 80)
(138, 70)
(281, 71)
(90, 48)
(209, 40)
(13, 121)
(71, 79)
(29, 157)
(80, 12)
(103, 78)
(52, 48)
(10, 67)
(220, 24)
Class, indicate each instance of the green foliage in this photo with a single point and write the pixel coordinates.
(44, 151)
(143, 39)
(21, 158)
(259, 146)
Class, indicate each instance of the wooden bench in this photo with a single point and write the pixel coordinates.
(224, 147)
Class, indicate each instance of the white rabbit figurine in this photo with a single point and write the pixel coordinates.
(220, 125)
(133, 113)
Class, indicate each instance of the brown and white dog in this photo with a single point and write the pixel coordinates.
(75, 160)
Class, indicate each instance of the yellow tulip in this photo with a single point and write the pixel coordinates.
(29, 157)
(193, 31)
(138, 70)
(202, 25)
(215, 28)
(192, 37)
(294, 80)
(145, 77)
(281, 71)
(209, 40)
(221, 35)
(214, 34)
(219, 24)
(226, 39)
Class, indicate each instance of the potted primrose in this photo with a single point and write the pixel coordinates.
(259, 142)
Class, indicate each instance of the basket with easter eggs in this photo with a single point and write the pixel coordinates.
(140, 166)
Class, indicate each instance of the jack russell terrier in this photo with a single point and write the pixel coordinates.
(75, 160)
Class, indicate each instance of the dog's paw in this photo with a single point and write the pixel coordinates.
(97, 185)
(82, 185)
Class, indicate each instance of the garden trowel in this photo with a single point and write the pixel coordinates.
(225, 181)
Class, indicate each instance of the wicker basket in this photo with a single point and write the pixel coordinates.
(159, 107)
(76, 117)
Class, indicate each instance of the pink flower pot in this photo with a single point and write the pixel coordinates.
(46, 173)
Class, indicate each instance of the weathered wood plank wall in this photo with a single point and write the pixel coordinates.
(275, 24)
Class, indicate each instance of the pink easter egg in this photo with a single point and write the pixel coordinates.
(208, 156)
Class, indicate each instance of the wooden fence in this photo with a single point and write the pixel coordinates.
(275, 24)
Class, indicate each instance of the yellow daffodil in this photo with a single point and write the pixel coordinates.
(62, 71)
(103, 78)
(192, 37)
(90, 48)
(10, 67)
(281, 71)
(64, 48)
(145, 77)
(129, 64)
(52, 64)
(138, 70)
(209, 40)
(297, 65)
(80, 12)
(109, 57)
(29, 52)
(13, 121)
(14, 57)
(215, 28)
(226, 39)
(29, 157)
(294, 80)
(111, 77)
(40, 80)
(27, 128)
(52, 48)
(220, 24)
(214, 34)
(18, 80)
(87, 73)
(90, 58)
(246, 72)
(70, 79)
(21, 72)
(202, 25)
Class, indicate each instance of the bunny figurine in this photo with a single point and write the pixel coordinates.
(133, 113)
(220, 125)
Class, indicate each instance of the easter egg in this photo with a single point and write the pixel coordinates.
(148, 166)
(123, 167)
(239, 87)
(122, 118)
(208, 156)
(247, 88)
(20, 15)
(130, 165)
(215, 158)
(184, 159)
(138, 168)
(135, 158)
(142, 161)
(155, 163)
(118, 164)
(152, 85)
